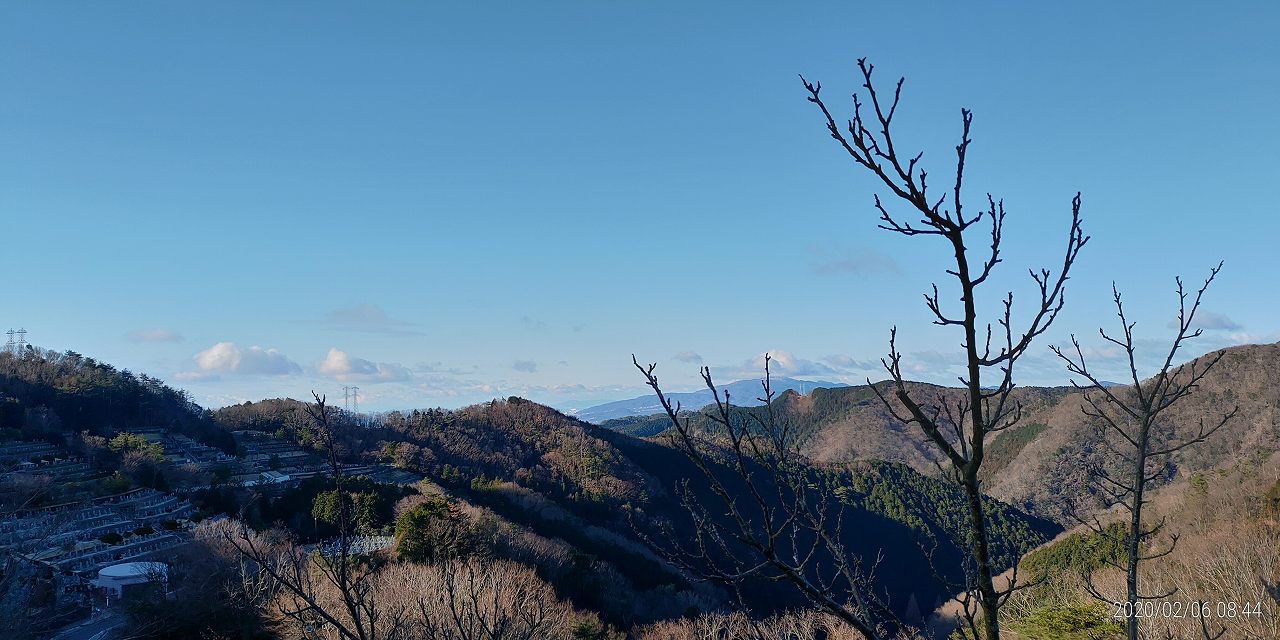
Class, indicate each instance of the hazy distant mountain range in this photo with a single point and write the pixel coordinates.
(743, 393)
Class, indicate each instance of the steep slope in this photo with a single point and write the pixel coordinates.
(1228, 528)
(1050, 469)
(890, 512)
(851, 423)
(604, 493)
(1040, 464)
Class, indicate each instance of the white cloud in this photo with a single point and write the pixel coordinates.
(525, 366)
(1215, 321)
(532, 324)
(1245, 337)
(688, 356)
(834, 368)
(445, 386)
(1097, 352)
(1209, 321)
(831, 261)
(849, 363)
(440, 367)
(226, 357)
(153, 335)
(344, 367)
(785, 364)
(368, 318)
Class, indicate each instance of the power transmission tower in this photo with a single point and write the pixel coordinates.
(22, 341)
(351, 399)
(9, 346)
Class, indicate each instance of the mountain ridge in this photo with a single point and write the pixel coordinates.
(739, 390)
(1042, 461)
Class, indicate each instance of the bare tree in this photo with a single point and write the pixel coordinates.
(794, 625)
(959, 429)
(783, 518)
(1146, 440)
(296, 579)
(478, 599)
(199, 595)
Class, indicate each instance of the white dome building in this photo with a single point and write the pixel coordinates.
(117, 578)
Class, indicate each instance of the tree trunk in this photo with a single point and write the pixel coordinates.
(987, 593)
(1135, 536)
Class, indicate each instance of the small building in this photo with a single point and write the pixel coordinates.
(119, 580)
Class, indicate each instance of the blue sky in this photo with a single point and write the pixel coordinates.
(447, 202)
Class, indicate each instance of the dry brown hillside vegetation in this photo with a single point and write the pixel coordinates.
(1224, 569)
(589, 509)
(1047, 474)
(1040, 465)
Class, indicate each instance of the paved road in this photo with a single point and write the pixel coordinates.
(99, 629)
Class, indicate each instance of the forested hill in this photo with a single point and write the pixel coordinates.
(849, 423)
(595, 497)
(604, 492)
(505, 440)
(45, 393)
(1038, 465)
(278, 414)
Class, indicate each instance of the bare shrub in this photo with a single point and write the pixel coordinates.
(795, 625)
(474, 599)
(1229, 572)
(454, 599)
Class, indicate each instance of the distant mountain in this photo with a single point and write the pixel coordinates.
(744, 393)
(1041, 464)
